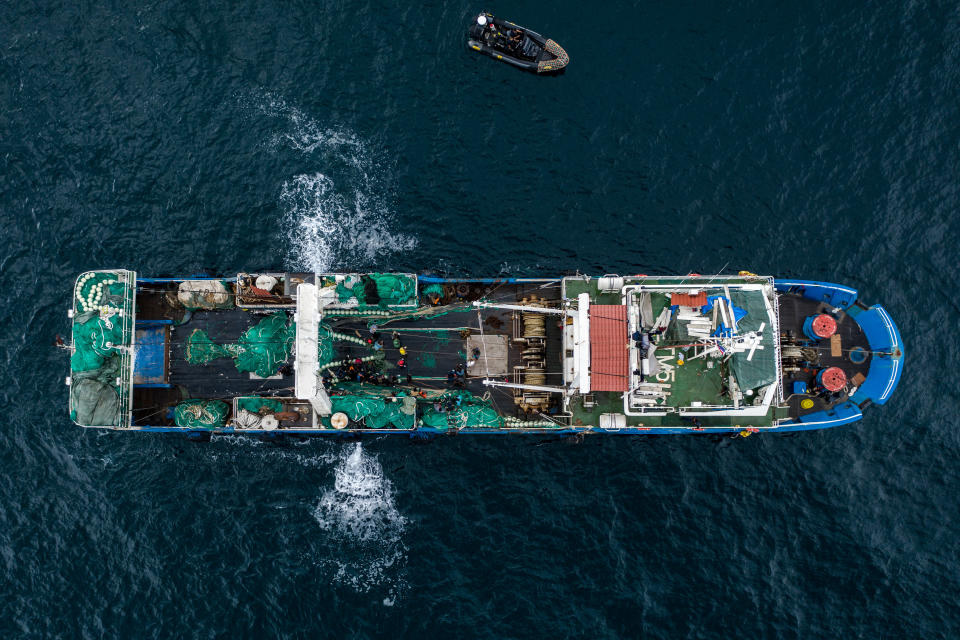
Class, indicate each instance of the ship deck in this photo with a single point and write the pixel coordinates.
(434, 347)
(794, 310)
(700, 380)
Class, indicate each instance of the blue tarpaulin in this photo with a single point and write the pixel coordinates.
(722, 329)
(150, 363)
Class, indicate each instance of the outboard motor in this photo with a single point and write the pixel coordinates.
(479, 25)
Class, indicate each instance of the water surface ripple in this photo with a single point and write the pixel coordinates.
(817, 140)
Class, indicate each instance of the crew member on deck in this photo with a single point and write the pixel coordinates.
(516, 37)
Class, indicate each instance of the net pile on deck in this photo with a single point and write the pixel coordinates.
(201, 414)
(378, 290)
(97, 340)
(377, 412)
(445, 412)
(261, 349)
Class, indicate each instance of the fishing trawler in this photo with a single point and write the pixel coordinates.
(399, 353)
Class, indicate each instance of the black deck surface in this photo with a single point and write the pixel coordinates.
(431, 355)
(219, 378)
(794, 310)
(431, 350)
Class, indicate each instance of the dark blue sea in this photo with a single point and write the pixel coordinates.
(816, 140)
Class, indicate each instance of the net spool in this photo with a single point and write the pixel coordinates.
(824, 326)
(534, 325)
(832, 379)
(535, 376)
(339, 420)
(820, 327)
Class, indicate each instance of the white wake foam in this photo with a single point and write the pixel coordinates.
(330, 229)
(339, 215)
(359, 514)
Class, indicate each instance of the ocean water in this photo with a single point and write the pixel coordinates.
(814, 140)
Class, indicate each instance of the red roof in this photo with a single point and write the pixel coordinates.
(609, 363)
(687, 300)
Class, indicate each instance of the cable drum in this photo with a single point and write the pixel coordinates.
(534, 325)
(535, 376)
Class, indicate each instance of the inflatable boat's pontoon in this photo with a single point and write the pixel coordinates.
(516, 45)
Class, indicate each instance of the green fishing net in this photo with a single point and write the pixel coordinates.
(392, 415)
(375, 412)
(98, 349)
(392, 289)
(201, 349)
(94, 403)
(325, 349)
(432, 291)
(345, 293)
(472, 412)
(266, 345)
(261, 349)
(357, 407)
(205, 414)
(255, 405)
(94, 340)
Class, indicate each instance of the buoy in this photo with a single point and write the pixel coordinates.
(806, 403)
(339, 420)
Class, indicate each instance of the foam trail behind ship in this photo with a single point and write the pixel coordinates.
(338, 216)
(360, 516)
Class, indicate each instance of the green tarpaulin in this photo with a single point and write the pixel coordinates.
(761, 369)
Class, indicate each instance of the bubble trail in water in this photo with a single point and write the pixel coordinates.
(360, 515)
(339, 215)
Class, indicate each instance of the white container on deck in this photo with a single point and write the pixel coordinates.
(613, 421)
(610, 283)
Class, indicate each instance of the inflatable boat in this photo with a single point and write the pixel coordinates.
(516, 45)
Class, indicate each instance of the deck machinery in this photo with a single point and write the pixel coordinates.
(390, 353)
